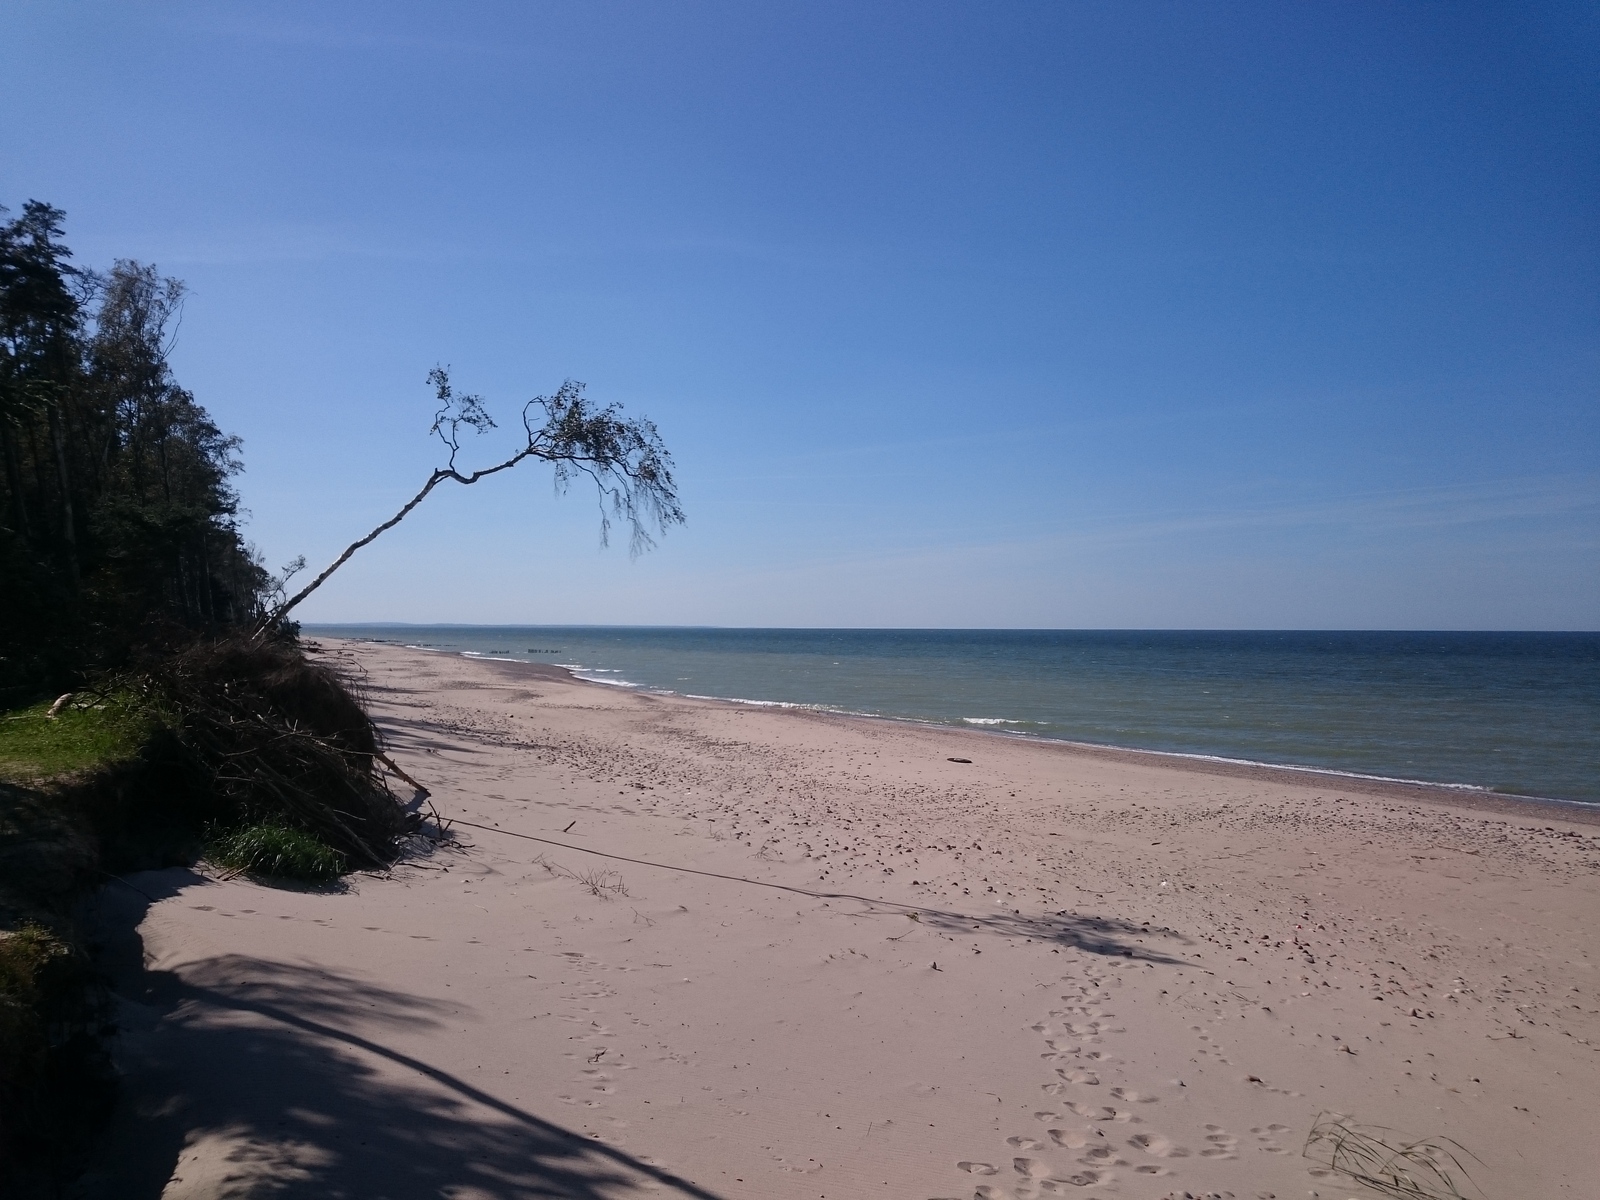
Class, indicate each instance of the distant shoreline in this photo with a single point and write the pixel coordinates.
(1458, 795)
(937, 629)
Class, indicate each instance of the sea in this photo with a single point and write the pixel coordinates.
(1515, 713)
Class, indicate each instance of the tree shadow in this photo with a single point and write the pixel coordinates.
(267, 1054)
(1109, 936)
(424, 736)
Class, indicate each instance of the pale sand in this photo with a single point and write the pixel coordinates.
(1150, 979)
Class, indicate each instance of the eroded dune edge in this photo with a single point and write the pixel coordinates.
(775, 953)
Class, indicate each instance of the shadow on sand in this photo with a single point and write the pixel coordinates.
(262, 1053)
(1094, 935)
(1110, 936)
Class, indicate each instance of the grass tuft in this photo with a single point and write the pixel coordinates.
(277, 851)
(1427, 1169)
(607, 885)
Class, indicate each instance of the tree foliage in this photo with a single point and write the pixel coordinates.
(117, 516)
(623, 457)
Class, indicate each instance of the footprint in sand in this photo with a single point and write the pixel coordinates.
(1223, 1144)
(1267, 1136)
(1090, 1112)
(1072, 1139)
(575, 1100)
(810, 1167)
(1086, 1078)
(1158, 1145)
(978, 1168)
(1024, 1143)
(1058, 1187)
(1133, 1097)
(1102, 1156)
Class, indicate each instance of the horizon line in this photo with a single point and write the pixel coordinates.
(924, 628)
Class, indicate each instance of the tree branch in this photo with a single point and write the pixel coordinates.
(625, 458)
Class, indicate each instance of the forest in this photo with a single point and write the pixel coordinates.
(119, 527)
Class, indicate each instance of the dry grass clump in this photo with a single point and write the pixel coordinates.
(597, 881)
(1427, 1169)
(607, 885)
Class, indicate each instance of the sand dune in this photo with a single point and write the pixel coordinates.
(780, 954)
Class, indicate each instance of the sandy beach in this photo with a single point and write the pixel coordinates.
(681, 947)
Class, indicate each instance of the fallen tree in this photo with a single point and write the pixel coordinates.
(623, 456)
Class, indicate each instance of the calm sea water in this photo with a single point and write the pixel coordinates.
(1516, 712)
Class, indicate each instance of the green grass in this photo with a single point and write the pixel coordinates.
(278, 851)
(36, 747)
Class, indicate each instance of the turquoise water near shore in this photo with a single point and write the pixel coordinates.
(1514, 712)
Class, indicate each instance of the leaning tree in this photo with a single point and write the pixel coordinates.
(622, 456)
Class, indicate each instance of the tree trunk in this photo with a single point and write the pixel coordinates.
(69, 530)
(14, 481)
(41, 480)
(208, 608)
(183, 586)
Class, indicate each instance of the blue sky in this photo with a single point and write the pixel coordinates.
(983, 314)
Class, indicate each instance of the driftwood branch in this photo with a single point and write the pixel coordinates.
(398, 773)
